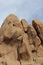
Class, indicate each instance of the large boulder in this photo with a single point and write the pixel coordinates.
(20, 43)
(25, 49)
(24, 24)
(32, 36)
(11, 20)
(39, 28)
(12, 27)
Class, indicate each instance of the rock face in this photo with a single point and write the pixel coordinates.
(24, 24)
(21, 43)
(39, 28)
(32, 35)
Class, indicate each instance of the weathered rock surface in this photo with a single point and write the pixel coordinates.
(21, 43)
(39, 28)
(32, 35)
(24, 24)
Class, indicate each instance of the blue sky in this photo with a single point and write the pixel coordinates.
(28, 9)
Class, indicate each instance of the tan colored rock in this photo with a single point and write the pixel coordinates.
(27, 46)
(24, 50)
(19, 42)
(37, 44)
(26, 63)
(7, 49)
(24, 56)
(39, 28)
(32, 35)
(12, 25)
(7, 61)
(11, 20)
(39, 60)
(10, 62)
(1, 35)
(40, 51)
(24, 24)
(14, 32)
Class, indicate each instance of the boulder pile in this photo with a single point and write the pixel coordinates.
(20, 42)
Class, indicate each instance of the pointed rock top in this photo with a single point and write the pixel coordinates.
(36, 21)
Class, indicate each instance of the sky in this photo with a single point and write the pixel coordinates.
(28, 9)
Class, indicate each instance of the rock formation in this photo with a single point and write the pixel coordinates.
(21, 43)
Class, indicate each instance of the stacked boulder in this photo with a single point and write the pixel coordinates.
(21, 43)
